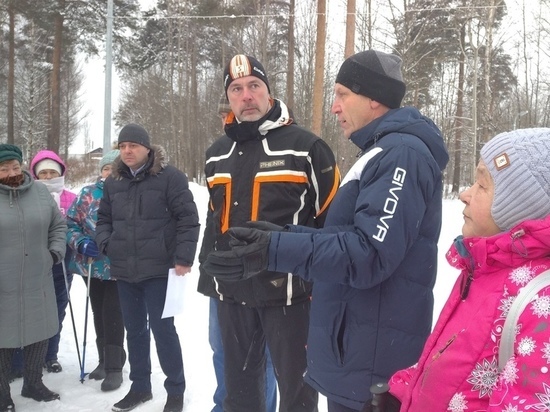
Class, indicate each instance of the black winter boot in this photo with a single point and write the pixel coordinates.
(115, 357)
(38, 392)
(131, 401)
(33, 387)
(99, 372)
(6, 404)
(174, 403)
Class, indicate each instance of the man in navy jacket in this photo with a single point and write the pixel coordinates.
(147, 224)
(374, 263)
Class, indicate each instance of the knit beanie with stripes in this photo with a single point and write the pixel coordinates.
(242, 66)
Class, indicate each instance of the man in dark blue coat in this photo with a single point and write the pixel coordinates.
(374, 263)
(147, 224)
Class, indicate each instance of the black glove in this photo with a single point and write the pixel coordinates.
(265, 225)
(248, 255)
(54, 257)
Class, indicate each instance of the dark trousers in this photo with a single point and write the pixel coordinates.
(108, 323)
(62, 299)
(245, 331)
(142, 305)
(337, 407)
(215, 340)
(32, 372)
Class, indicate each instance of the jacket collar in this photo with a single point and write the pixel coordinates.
(406, 120)
(155, 163)
(526, 241)
(276, 117)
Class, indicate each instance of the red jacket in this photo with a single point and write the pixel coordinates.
(457, 370)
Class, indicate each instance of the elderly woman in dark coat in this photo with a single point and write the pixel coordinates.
(32, 238)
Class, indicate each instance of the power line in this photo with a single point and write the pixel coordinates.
(287, 15)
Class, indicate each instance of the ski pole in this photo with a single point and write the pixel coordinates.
(71, 310)
(382, 400)
(82, 373)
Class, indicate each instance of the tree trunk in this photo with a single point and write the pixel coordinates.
(11, 73)
(55, 127)
(193, 156)
(171, 143)
(350, 29)
(290, 63)
(458, 123)
(318, 81)
(488, 105)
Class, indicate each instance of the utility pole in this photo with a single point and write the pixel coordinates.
(108, 79)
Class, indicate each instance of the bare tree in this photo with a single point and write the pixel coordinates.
(318, 83)
(459, 116)
(55, 82)
(290, 66)
(304, 67)
(71, 107)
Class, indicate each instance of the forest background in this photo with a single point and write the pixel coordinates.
(476, 67)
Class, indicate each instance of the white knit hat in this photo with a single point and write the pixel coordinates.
(519, 162)
(48, 164)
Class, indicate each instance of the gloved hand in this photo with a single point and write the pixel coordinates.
(248, 255)
(265, 225)
(88, 248)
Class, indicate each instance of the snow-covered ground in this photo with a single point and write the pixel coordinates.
(192, 327)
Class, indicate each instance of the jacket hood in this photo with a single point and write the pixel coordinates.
(46, 154)
(277, 116)
(406, 120)
(526, 241)
(156, 162)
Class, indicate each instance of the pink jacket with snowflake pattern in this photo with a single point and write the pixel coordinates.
(458, 368)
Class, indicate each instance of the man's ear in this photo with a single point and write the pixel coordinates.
(374, 104)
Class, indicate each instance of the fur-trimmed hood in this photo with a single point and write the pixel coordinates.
(157, 161)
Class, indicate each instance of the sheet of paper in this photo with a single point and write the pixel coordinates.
(175, 290)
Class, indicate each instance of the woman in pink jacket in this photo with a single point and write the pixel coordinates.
(505, 244)
(48, 168)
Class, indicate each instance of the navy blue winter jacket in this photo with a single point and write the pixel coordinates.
(149, 222)
(374, 263)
